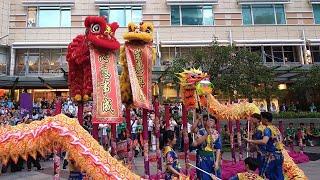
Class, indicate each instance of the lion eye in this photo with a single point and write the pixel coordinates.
(95, 28)
(148, 30)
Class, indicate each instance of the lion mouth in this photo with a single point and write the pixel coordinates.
(104, 37)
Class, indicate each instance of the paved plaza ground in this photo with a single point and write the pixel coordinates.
(312, 169)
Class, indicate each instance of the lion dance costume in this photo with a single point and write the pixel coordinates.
(99, 35)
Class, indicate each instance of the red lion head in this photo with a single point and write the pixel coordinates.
(101, 34)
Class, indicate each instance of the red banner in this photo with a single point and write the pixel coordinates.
(139, 59)
(106, 88)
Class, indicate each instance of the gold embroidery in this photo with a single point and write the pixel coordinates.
(107, 105)
(106, 76)
(139, 66)
(104, 58)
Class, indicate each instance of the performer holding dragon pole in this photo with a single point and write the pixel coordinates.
(271, 147)
(208, 143)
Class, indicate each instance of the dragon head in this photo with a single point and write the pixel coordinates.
(192, 76)
(142, 32)
(100, 33)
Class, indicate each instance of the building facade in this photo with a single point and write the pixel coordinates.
(34, 34)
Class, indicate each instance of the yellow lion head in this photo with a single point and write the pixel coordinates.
(142, 32)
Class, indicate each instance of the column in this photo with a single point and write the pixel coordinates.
(145, 142)
(185, 136)
(167, 116)
(157, 133)
(80, 113)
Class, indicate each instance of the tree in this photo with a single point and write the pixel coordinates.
(235, 72)
(307, 87)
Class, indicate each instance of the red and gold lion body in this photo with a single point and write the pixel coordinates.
(99, 35)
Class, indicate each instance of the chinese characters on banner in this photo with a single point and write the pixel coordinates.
(139, 59)
(106, 88)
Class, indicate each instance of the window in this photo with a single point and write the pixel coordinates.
(43, 61)
(3, 61)
(315, 54)
(281, 54)
(263, 14)
(21, 59)
(316, 13)
(191, 15)
(122, 15)
(49, 17)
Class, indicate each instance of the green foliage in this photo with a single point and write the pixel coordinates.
(234, 72)
(291, 115)
(307, 88)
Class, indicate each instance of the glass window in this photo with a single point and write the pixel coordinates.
(33, 61)
(104, 13)
(191, 15)
(123, 15)
(175, 15)
(3, 63)
(65, 18)
(315, 53)
(136, 15)
(55, 61)
(246, 15)
(54, 17)
(63, 59)
(268, 53)
(21, 60)
(117, 15)
(289, 55)
(32, 17)
(263, 14)
(44, 60)
(207, 15)
(316, 13)
(281, 19)
(49, 18)
(277, 54)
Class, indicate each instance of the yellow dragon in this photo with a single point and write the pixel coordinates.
(189, 81)
(60, 131)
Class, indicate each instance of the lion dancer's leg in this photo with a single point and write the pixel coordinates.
(145, 140)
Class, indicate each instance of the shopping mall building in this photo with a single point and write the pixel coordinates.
(34, 34)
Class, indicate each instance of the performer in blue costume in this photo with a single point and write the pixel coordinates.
(271, 156)
(257, 135)
(208, 143)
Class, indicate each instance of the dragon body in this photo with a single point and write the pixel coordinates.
(60, 131)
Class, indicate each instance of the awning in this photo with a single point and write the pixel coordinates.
(269, 42)
(192, 2)
(119, 2)
(199, 43)
(48, 2)
(263, 1)
(19, 82)
(42, 45)
(314, 1)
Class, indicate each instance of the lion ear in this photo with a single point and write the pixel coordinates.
(114, 26)
(131, 27)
